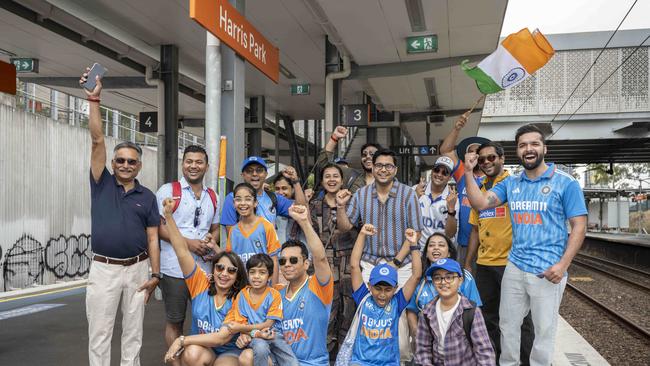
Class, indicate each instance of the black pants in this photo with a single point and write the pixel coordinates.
(343, 305)
(488, 282)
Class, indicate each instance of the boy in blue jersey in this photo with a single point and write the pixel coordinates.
(540, 200)
(381, 303)
(257, 311)
(254, 172)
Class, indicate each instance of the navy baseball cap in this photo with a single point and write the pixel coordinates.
(341, 161)
(447, 264)
(253, 160)
(383, 273)
(462, 147)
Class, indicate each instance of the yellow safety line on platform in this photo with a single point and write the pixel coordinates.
(41, 293)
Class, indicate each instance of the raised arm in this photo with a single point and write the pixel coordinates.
(177, 240)
(322, 268)
(342, 220)
(355, 256)
(416, 263)
(451, 225)
(98, 150)
(299, 195)
(479, 200)
(449, 143)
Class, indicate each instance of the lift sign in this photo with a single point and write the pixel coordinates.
(224, 21)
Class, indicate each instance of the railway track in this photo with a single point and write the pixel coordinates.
(580, 262)
(613, 264)
(611, 312)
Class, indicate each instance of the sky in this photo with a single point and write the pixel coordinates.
(570, 16)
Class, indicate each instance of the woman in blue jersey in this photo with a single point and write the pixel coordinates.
(438, 246)
(211, 297)
(253, 234)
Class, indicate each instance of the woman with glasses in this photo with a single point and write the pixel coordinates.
(252, 234)
(438, 246)
(211, 295)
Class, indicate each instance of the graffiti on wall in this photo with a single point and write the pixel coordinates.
(27, 260)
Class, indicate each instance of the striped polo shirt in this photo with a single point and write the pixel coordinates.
(539, 209)
(391, 219)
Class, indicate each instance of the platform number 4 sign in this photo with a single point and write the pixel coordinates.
(148, 122)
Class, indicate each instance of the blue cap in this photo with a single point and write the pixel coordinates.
(341, 161)
(385, 273)
(253, 160)
(447, 264)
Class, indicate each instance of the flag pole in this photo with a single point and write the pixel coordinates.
(476, 103)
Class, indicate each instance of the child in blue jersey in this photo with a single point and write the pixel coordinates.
(211, 300)
(438, 246)
(257, 311)
(253, 234)
(380, 304)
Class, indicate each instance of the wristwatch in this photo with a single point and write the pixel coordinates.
(414, 247)
(157, 275)
(397, 262)
(451, 213)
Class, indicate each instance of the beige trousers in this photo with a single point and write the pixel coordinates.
(403, 274)
(107, 284)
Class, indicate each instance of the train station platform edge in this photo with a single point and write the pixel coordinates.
(622, 238)
(572, 349)
(41, 289)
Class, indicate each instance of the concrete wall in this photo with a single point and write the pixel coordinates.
(45, 194)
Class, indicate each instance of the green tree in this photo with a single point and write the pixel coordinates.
(621, 176)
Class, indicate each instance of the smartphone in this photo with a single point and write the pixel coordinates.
(96, 70)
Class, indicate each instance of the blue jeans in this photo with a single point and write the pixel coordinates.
(276, 348)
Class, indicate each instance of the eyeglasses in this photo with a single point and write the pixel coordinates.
(253, 170)
(123, 160)
(441, 170)
(449, 278)
(388, 167)
(222, 267)
(248, 199)
(197, 216)
(491, 158)
(292, 260)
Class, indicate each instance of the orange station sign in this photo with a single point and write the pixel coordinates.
(220, 18)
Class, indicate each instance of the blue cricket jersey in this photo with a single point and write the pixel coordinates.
(539, 209)
(377, 341)
(464, 227)
(306, 316)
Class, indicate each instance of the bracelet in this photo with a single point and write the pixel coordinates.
(334, 139)
(96, 100)
(253, 332)
(450, 213)
(414, 247)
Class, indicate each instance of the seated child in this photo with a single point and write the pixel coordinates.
(441, 322)
(257, 310)
(380, 305)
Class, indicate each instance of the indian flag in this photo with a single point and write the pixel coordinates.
(517, 57)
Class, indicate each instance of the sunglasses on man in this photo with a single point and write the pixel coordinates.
(441, 170)
(121, 161)
(483, 159)
(292, 260)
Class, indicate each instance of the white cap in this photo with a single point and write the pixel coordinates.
(446, 162)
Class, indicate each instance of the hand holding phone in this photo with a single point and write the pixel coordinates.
(95, 71)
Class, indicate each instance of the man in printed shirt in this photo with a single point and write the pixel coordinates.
(540, 200)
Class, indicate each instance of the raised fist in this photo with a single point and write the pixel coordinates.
(368, 229)
(339, 133)
(290, 173)
(168, 206)
(462, 120)
(471, 159)
(343, 197)
(298, 213)
(411, 235)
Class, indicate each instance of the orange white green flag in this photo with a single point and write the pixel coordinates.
(517, 57)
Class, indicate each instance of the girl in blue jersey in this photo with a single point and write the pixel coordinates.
(437, 246)
(253, 234)
(380, 304)
(211, 299)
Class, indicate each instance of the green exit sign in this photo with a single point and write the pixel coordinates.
(300, 89)
(422, 44)
(25, 64)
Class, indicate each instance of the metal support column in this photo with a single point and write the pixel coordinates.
(212, 107)
(54, 107)
(306, 151)
(254, 132)
(317, 127)
(169, 76)
(233, 69)
(277, 142)
(291, 139)
(395, 139)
